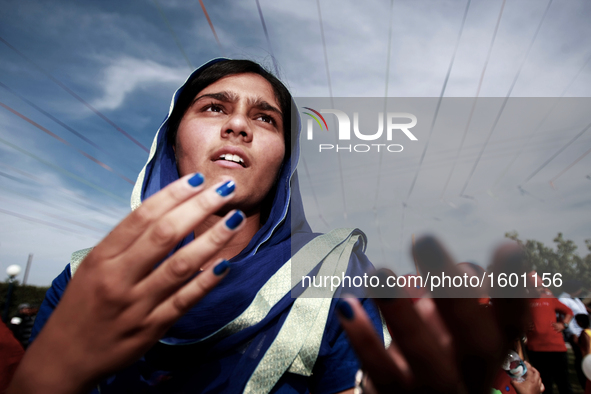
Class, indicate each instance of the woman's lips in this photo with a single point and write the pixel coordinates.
(228, 164)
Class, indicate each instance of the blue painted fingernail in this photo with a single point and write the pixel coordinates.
(235, 220)
(221, 268)
(345, 309)
(226, 188)
(196, 180)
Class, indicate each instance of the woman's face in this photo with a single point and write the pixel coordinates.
(234, 128)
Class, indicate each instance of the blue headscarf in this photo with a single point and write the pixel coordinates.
(254, 265)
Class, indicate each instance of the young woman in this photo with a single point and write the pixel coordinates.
(146, 310)
(230, 128)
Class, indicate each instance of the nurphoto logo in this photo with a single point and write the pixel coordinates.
(395, 125)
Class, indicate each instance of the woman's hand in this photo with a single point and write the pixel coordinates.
(117, 305)
(440, 344)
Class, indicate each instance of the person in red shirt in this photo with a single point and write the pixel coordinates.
(545, 344)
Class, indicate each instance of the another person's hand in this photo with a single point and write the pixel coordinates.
(558, 326)
(532, 383)
(117, 305)
(443, 344)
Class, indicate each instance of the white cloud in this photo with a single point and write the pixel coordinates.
(127, 74)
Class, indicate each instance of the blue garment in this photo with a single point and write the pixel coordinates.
(183, 361)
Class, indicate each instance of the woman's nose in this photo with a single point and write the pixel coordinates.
(237, 126)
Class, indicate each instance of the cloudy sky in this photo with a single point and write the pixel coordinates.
(85, 85)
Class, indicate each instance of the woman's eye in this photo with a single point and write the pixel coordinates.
(213, 108)
(267, 119)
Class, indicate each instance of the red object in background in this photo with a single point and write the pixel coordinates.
(12, 352)
(542, 337)
(502, 383)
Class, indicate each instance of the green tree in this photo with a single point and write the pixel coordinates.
(22, 294)
(562, 258)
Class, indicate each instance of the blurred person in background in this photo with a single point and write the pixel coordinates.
(545, 343)
(572, 290)
(22, 323)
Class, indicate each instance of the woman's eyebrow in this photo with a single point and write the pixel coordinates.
(227, 97)
(263, 105)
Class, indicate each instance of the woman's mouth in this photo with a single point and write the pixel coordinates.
(232, 158)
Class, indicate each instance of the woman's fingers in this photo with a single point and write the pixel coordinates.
(423, 351)
(467, 354)
(509, 304)
(427, 310)
(177, 269)
(163, 234)
(375, 360)
(179, 303)
(475, 334)
(151, 210)
(454, 304)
